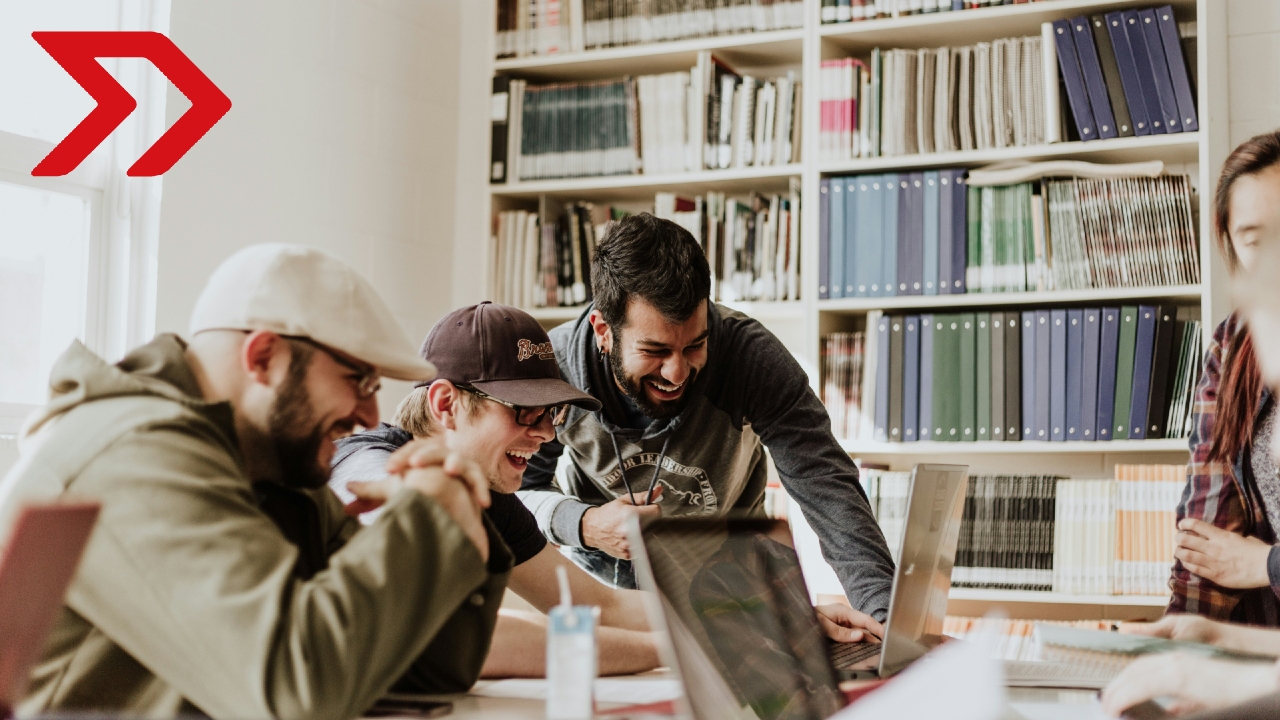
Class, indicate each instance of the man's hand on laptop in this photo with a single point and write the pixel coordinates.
(844, 624)
(605, 527)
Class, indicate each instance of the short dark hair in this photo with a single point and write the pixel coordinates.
(652, 259)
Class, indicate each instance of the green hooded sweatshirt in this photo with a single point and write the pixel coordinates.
(203, 591)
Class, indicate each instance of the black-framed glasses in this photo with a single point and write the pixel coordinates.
(526, 416)
(368, 382)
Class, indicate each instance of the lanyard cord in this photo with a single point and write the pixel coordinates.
(648, 497)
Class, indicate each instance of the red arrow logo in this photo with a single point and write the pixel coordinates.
(75, 52)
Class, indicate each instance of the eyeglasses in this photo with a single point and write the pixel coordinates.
(526, 416)
(367, 381)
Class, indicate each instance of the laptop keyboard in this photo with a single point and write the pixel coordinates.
(847, 654)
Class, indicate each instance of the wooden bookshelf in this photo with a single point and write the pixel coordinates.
(801, 324)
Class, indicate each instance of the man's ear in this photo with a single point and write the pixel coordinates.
(604, 334)
(444, 404)
(264, 355)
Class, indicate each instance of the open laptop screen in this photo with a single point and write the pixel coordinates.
(737, 608)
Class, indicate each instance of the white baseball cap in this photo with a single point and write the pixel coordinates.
(303, 292)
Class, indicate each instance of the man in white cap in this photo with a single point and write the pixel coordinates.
(223, 577)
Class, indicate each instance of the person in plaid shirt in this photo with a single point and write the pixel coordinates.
(1227, 565)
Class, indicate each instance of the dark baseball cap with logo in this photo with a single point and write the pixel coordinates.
(503, 352)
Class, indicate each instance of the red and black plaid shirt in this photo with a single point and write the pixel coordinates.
(1226, 496)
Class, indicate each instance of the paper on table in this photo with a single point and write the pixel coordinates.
(932, 685)
(608, 690)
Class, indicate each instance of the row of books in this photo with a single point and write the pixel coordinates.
(842, 11)
(543, 265)
(548, 27)
(1006, 533)
(752, 244)
(1116, 536)
(887, 492)
(1061, 374)
(907, 102)
(709, 117)
(1074, 233)
(931, 233)
(1016, 639)
(1125, 73)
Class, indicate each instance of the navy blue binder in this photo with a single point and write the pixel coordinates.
(824, 237)
(945, 225)
(835, 280)
(1077, 96)
(932, 197)
(959, 230)
(1160, 71)
(1029, 375)
(1075, 369)
(1143, 354)
(1089, 374)
(882, 379)
(1044, 361)
(1094, 84)
(1146, 78)
(1177, 68)
(1108, 350)
(852, 232)
(1128, 73)
(925, 420)
(1057, 375)
(910, 378)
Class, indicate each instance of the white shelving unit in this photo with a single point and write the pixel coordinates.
(801, 324)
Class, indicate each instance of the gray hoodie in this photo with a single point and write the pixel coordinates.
(751, 395)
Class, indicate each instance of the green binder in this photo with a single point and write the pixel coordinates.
(983, 390)
(946, 397)
(1124, 372)
(968, 377)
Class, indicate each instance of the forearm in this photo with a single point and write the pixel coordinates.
(624, 610)
(1250, 639)
(520, 648)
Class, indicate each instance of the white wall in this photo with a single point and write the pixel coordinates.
(1253, 29)
(342, 135)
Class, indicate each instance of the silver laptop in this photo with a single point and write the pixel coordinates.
(743, 633)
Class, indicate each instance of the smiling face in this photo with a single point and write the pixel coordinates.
(655, 360)
(486, 432)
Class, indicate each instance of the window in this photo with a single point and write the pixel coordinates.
(77, 253)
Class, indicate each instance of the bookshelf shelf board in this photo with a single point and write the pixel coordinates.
(1029, 447)
(945, 303)
(744, 50)
(1031, 596)
(618, 187)
(969, 26)
(1178, 148)
(555, 314)
(779, 310)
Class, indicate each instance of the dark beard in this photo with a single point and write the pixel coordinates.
(297, 454)
(633, 389)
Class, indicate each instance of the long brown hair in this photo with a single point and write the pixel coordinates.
(1240, 390)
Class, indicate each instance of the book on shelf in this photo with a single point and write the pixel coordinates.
(548, 27)
(710, 117)
(1116, 536)
(1006, 533)
(1056, 375)
(752, 244)
(842, 11)
(1126, 72)
(935, 233)
(931, 100)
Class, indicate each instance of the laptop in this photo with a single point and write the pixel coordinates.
(37, 563)
(743, 633)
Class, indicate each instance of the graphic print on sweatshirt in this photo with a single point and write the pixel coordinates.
(687, 500)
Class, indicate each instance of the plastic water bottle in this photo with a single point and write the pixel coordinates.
(571, 657)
